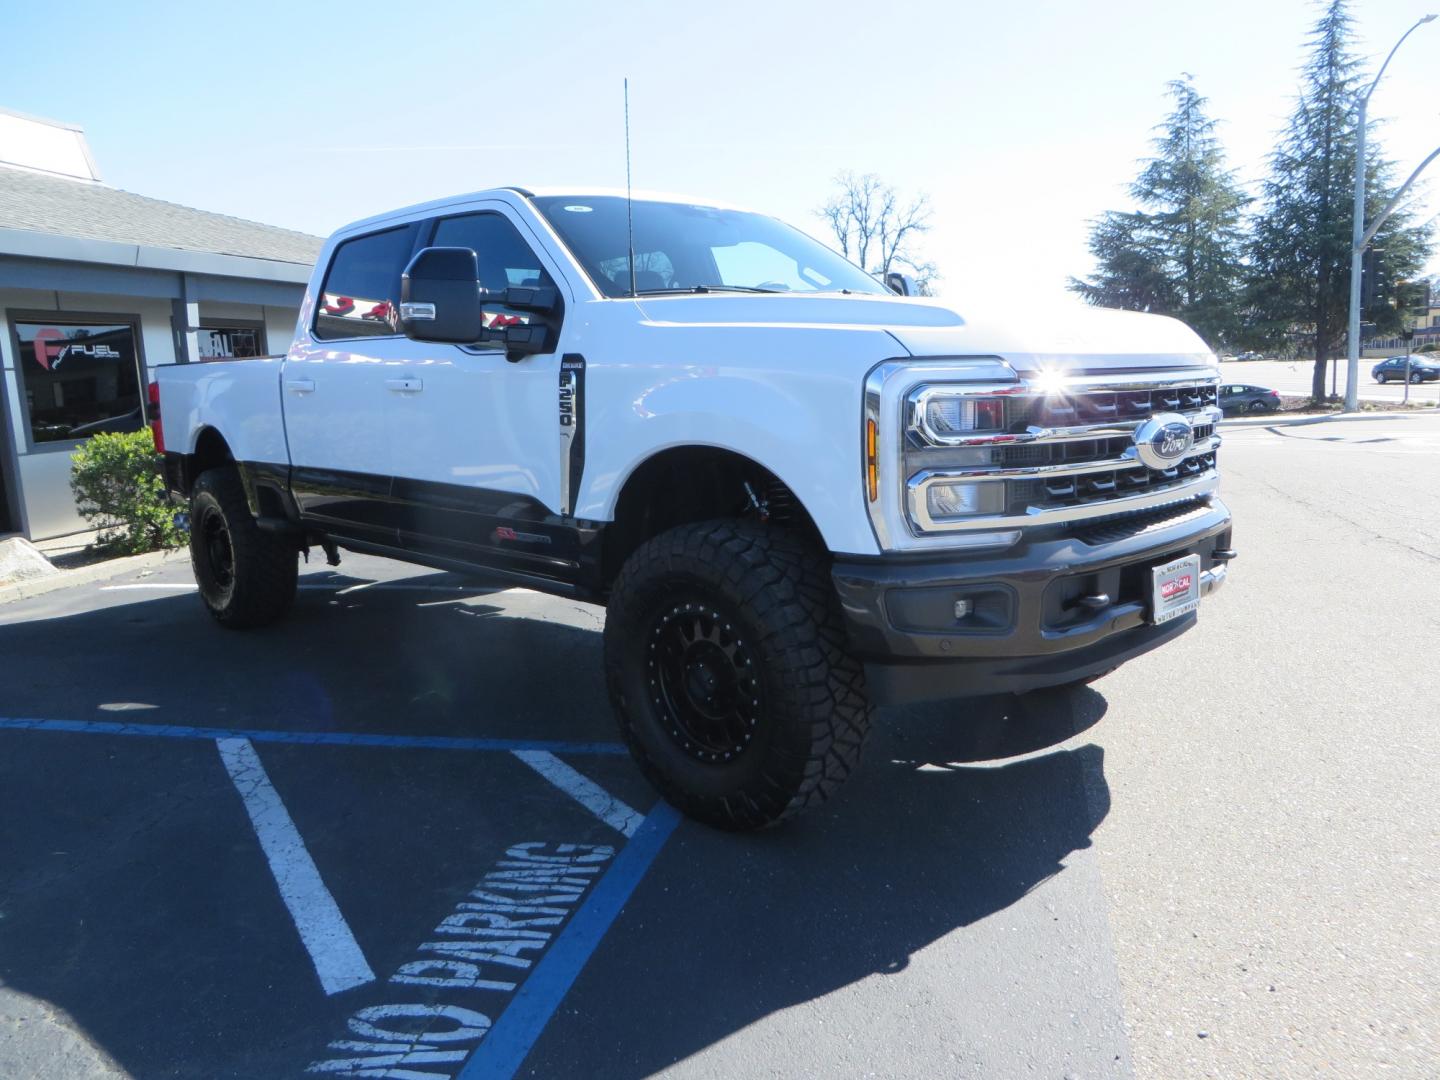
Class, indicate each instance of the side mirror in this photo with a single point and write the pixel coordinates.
(441, 300)
(522, 298)
(902, 284)
(440, 296)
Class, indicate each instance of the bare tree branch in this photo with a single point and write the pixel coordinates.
(875, 229)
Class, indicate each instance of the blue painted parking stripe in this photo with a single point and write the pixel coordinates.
(310, 738)
(510, 1041)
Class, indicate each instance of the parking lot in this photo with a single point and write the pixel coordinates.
(1293, 377)
(396, 835)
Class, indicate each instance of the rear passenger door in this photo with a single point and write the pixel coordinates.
(340, 376)
(475, 443)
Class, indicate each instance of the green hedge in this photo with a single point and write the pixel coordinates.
(119, 485)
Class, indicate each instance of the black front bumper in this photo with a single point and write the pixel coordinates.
(1027, 627)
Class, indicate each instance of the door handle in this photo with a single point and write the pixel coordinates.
(407, 385)
(300, 386)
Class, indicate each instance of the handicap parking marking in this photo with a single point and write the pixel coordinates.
(327, 937)
(519, 1027)
(493, 939)
(309, 738)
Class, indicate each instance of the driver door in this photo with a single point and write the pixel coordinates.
(475, 442)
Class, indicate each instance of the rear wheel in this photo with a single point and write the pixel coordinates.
(246, 575)
(726, 663)
(1257, 406)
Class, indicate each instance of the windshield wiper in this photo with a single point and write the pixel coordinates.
(706, 289)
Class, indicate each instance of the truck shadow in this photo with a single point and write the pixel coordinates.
(957, 813)
(930, 841)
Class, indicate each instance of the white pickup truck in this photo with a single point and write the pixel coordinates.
(798, 494)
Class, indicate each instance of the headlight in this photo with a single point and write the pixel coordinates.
(945, 416)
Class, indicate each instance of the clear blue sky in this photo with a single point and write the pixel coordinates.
(1021, 120)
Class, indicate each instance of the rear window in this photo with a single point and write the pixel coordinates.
(361, 293)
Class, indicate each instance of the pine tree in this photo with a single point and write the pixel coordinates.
(1181, 254)
(1300, 248)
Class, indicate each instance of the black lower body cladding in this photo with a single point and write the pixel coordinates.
(1044, 613)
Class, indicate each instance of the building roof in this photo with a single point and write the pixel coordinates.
(35, 202)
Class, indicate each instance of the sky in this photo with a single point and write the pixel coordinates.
(1021, 121)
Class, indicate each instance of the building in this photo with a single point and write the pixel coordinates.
(97, 287)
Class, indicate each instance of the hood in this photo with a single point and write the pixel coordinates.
(1066, 337)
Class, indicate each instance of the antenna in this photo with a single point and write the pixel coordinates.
(629, 215)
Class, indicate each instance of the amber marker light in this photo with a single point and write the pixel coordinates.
(872, 474)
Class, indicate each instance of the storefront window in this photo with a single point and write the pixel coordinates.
(79, 380)
(230, 342)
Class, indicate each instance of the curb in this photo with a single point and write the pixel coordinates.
(84, 575)
(1324, 418)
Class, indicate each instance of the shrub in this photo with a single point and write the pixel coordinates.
(119, 484)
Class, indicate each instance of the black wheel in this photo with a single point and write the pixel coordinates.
(246, 575)
(1416, 377)
(1257, 406)
(1382, 378)
(725, 659)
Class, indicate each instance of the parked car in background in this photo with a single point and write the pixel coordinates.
(1421, 369)
(1249, 356)
(1236, 399)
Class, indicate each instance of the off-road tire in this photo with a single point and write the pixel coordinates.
(769, 593)
(257, 585)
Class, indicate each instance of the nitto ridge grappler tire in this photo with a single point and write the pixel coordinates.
(246, 575)
(726, 663)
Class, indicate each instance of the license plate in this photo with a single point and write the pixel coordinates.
(1175, 589)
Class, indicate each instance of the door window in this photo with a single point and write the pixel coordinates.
(505, 259)
(79, 379)
(361, 293)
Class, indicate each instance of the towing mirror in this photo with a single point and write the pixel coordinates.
(903, 284)
(440, 296)
(441, 299)
(522, 298)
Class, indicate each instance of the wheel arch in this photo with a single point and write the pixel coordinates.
(684, 484)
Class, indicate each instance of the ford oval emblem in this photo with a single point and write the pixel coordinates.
(1163, 440)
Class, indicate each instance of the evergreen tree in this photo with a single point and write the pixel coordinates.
(1300, 248)
(1181, 254)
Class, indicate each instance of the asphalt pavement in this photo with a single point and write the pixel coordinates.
(395, 835)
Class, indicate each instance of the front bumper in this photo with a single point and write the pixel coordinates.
(1046, 612)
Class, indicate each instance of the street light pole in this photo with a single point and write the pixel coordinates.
(1358, 238)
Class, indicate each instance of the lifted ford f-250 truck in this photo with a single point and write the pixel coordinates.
(797, 493)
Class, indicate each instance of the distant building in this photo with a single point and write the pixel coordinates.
(97, 287)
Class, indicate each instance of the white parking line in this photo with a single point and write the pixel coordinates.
(583, 790)
(323, 930)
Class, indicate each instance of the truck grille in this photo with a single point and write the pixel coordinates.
(1067, 451)
(1108, 406)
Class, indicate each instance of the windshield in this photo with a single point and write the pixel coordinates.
(681, 248)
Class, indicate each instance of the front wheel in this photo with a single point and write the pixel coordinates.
(726, 663)
(1382, 378)
(1416, 377)
(246, 575)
